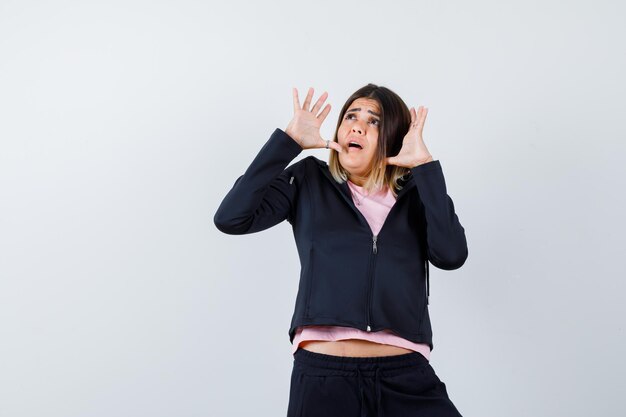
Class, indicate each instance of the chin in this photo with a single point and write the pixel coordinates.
(348, 166)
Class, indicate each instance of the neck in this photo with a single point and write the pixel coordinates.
(357, 180)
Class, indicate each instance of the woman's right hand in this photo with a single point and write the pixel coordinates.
(304, 128)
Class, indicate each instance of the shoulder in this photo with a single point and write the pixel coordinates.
(307, 163)
(310, 168)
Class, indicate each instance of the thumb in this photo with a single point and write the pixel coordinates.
(336, 146)
(390, 160)
(333, 145)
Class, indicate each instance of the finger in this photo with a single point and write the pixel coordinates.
(420, 115)
(423, 118)
(324, 113)
(336, 146)
(307, 100)
(319, 102)
(331, 144)
(414, 118)
(296, 100)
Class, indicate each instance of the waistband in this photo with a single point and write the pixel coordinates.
(389, 363)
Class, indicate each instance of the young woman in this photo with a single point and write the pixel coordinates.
(366, 226)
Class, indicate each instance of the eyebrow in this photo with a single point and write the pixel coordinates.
(359, 109)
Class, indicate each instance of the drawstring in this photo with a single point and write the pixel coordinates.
(358, 371)
(379, 410)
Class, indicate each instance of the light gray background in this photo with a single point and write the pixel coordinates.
(124, 123)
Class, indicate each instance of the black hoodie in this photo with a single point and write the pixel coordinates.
(349, 276)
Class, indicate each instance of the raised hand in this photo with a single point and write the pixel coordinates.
(304, 128)
(414, 151)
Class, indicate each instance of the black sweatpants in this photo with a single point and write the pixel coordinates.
(377, 386)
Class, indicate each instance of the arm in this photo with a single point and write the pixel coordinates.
(264, 195)
(447, 245)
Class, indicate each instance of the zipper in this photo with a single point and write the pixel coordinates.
(350, 202)
(371, 281)
(427, 297)
(308, 279)
(427, 284)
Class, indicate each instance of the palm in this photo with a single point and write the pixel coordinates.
(306, 122)
(414, 151)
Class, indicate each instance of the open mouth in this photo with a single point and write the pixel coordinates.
(354, 145)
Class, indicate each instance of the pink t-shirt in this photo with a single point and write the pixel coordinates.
(375, 208)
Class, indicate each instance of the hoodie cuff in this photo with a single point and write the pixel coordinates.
(428, 166)
(292, 146)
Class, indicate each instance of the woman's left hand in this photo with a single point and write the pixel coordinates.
(414, 151)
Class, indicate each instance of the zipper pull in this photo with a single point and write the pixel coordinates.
(369, 329)
(375, 237)
(291, 180)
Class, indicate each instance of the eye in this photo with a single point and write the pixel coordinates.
(350, 115)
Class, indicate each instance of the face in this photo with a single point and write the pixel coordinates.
(360, 124)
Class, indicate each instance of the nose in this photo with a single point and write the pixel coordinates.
(357, 130)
